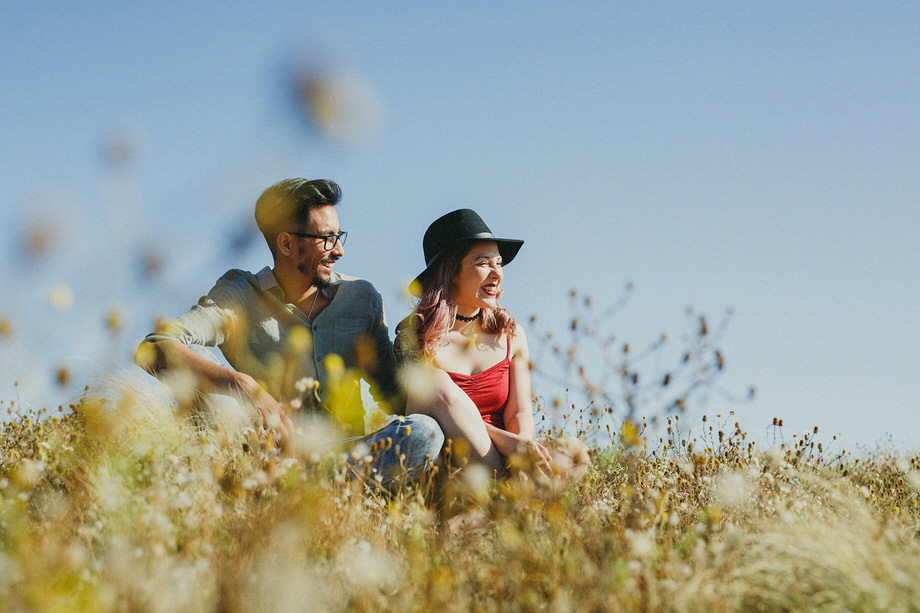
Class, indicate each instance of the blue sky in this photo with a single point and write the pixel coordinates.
(758, 157)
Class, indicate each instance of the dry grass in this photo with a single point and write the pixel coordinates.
(122, 506)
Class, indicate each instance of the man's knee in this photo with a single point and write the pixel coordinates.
(425, 433)
(405, 446)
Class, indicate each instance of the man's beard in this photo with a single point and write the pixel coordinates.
(317, 282)
(320, 283)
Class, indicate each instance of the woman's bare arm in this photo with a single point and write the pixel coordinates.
(518, 415)
(518, 436)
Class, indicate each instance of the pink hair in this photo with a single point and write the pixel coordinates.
(436, 308)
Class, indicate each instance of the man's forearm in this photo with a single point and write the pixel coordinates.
(163, 357)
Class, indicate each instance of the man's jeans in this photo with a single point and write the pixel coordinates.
(401, 449)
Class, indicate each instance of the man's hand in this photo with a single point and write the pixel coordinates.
(269, 414)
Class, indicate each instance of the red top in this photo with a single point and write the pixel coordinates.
(489, 389)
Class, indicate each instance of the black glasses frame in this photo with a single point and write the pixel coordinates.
(335, 238)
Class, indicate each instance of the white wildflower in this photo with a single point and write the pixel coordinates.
(733, 489)
(304, 384)
(364, 567)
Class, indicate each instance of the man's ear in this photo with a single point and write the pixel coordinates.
(284, 243)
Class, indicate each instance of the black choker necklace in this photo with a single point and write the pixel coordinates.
(471, 318)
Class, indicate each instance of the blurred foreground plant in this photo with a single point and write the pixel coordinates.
(121, 505)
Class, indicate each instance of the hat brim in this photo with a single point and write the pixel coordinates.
(507, 248)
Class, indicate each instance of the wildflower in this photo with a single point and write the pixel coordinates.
(733, 489)
(115, 321)
(477, 479)
(416, 378)
(343, 106)
(300, 341)
(61, 297)
(641, 543)
(303, 384)
(28, 473)
(630, 434)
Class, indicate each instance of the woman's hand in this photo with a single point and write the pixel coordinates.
(539, 456)
(511, 445)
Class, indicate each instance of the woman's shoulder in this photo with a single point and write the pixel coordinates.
(517, 340)
(517, 331)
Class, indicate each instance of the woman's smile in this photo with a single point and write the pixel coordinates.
(478, 282)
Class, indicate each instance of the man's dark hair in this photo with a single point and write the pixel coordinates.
(286, 205)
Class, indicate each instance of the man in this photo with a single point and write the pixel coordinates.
(293, 332)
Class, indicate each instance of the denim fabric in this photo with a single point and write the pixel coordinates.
(401, 449)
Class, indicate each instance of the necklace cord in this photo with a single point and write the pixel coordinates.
(470, 318)
(315, 296)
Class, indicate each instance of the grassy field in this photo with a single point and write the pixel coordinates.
(119, 505)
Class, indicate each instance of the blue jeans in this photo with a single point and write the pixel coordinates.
(401, 449)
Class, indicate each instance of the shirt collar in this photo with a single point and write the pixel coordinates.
(269, 283)
(266, 279)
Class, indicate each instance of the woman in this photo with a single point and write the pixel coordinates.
(479, 391)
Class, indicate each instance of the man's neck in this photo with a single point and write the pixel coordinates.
(308, 297)
(295, 286)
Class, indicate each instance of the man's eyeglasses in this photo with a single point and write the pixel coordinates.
(329, 240)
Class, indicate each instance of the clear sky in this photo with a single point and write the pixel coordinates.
(762, 157)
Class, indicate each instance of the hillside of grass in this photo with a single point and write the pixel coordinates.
(120, 504)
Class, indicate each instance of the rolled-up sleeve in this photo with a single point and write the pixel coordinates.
(206, 323)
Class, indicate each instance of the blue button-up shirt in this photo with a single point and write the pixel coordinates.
(264, 335)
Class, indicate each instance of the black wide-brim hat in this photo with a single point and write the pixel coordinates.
(462, 225)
